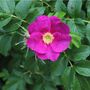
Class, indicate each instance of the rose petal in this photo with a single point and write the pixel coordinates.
(51, 55)
(58, 26)
(41, 24)
(35, 43)
(32, 27)
(41, 56)
(61, 42)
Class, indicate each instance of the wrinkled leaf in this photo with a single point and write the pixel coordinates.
(74, 7)
(58, 67)
(5, 44)
(7, 6)
(60, 6)
(22, 8)
(69, 80)
(77, 54)
(83, 71)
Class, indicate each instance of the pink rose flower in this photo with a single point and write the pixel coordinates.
(49, 36)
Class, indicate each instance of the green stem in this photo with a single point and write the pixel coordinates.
(18, 18)
(70, 63)
(11, 15)
(86, 21)
(68, 60)
(48, 5)
(27, 72)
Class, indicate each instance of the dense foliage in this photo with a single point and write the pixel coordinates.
(20, 69)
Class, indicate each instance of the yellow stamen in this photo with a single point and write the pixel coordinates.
(48, 38)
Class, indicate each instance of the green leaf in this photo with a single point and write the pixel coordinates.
(76, 27)
(79, 21)
(60, 14)
(56, 80)
(50, 14)
(12, 25)
(88, 8)
(4, 22)
(43, 86)
(28, 79)
(84, 82)
(83, 64)
(77, 54)
(74, 7)
(76, 84)
(31, 65)
(73, 27)
(88, 32)
(30, 54)
(66, 78)
(5, 44)
(60, 6)
(14, 83)
(4, 74)
(83, 68)
(37, 11)
(37, 87)
(82, 30)
(76, 39)
(58, 67)
(69, 80)
(49, 87)
(22, 8)
(7, 6)
(83, 71)
(40, 10)
(82, 14)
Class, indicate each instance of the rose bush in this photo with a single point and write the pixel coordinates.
(44, 44)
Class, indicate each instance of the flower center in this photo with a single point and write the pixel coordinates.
(48, 38)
